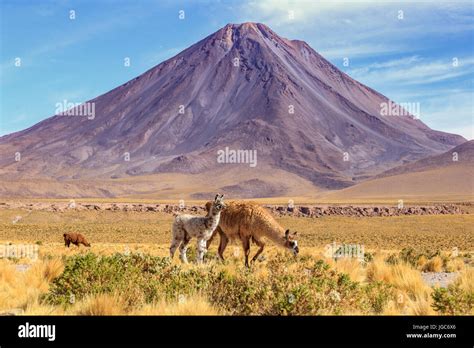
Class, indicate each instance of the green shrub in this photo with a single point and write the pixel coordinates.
(392, 259)
(377, 296)
(289, 286)
(368, 257)
(453, 300)
(410, 256)
(133, 275)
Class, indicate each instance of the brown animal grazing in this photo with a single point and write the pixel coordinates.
(76, 239)
(249, 221)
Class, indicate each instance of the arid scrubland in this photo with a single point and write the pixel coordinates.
(396, 232)
(126, 270)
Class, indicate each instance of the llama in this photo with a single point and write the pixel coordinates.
(249, 221)
(187, 226)
(76, 239)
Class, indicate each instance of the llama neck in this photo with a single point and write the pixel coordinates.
(275, 233)
(212, 218)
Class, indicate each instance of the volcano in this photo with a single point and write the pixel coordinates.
(243, 89)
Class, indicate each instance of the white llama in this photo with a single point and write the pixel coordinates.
(187, 226)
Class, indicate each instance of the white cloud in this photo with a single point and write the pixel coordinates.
(359, 50)
(412, 71)
(279, 11)
(360, 27)
(412, 78)
(466, 131)
(396, 62)
(450, 112)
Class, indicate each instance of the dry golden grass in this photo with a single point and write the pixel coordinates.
(187, 306)
(349, 266)
(402, 276)
(455, 265)
(47, 269)
(149, 233)
(20, 293)
(442, 232)
(36, 307)
(10, 293)
(115, 304)
(433, 265)
(413, 294)
(421, 262)
(426, 232)
(21, 290)
(466, 280)
(101, 304)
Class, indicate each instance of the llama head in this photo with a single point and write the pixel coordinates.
(218, 203)
(291, 242)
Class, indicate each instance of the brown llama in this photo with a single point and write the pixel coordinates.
(249, 221)
(76, 239)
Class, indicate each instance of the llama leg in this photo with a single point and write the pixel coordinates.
(222, 245)
(201, 250)
(259, 251)
(209, 241)
(184, 247)
(174, 245)
(246, 246)
(177, 237)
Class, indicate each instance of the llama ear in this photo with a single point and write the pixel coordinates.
(287, 233)
(295, 234)
(217, 196)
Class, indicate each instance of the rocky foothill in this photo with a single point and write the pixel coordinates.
(313, 211)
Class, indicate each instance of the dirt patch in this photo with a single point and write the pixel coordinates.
(439, 279)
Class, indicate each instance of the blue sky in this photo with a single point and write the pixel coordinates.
(423, 54)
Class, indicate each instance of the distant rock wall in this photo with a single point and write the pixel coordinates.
(319, 211)
(315, 211)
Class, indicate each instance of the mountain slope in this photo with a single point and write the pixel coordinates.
(236, 89)
(461, 155)
(445, 176)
